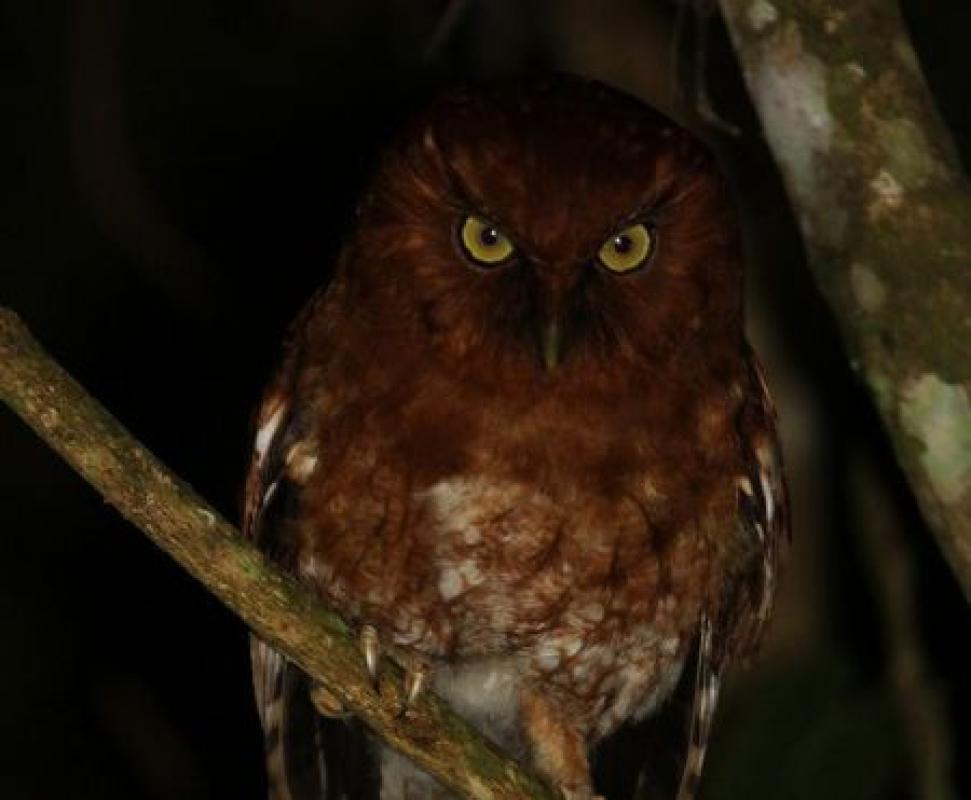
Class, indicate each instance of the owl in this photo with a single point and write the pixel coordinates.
(520, 437)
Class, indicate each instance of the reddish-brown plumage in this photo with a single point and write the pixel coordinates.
(577, 524)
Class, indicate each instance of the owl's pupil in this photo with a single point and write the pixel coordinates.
(489, 237)
(622, 243)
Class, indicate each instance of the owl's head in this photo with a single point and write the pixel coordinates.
(548, 229)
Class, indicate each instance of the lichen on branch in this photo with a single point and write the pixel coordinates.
(281, 612)
(885, 214)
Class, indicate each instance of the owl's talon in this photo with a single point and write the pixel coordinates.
(417, 673)
(416, 669)
(370, 645)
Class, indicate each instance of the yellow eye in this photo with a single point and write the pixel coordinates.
(628, 249)
(483, 242)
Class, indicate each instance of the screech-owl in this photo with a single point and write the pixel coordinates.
(521, 435)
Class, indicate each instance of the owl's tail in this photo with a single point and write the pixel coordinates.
(308, 756)
(270, 678)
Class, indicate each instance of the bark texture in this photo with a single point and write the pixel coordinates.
(166, 509)
(885, 214)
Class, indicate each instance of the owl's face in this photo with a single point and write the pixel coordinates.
(548, 232)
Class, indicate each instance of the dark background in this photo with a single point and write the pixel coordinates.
(175, 180)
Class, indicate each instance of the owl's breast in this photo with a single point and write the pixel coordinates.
(584, 558)
(596, 604)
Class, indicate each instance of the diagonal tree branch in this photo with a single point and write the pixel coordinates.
(885, 214)
(274, 606)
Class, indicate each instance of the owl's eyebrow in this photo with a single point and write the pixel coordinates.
(468, 200)
(645, 211)
(656, 201)
(458, 187)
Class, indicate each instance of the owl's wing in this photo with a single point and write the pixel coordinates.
(763, 522)
(308, 757)
(733, 629)
(280, 688)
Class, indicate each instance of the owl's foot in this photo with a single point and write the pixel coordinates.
(417, 669)
(324, 700)
(416, 679)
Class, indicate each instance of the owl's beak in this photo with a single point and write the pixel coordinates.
(552, 342)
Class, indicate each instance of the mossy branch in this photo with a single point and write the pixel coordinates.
(885, 213)
(268, 601)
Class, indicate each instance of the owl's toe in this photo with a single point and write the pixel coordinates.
(416, 668)
(326, 702)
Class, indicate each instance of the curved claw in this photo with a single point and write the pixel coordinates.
(416, 669)
(416, 680)
(370, 645)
